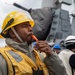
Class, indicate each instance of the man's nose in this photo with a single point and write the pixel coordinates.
(30, 29)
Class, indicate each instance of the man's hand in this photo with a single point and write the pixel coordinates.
(43, 46)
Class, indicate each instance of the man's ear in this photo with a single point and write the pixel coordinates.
(12, 35)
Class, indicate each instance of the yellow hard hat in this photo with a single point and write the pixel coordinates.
(15, 18)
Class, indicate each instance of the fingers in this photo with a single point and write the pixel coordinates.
(43, 46)
(45, 49)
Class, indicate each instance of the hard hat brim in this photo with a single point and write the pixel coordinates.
(31, 23)
(1, 36)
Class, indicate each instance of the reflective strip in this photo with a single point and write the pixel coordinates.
(71, 40)
(17, 57)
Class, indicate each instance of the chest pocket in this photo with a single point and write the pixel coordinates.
(17, 57)
(20, 66)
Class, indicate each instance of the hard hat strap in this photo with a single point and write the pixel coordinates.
(16, 34)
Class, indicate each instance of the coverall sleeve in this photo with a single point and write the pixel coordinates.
(55, 65)
(3, 66)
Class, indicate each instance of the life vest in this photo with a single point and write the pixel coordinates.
(21, 64)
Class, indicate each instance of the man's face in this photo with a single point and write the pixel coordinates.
(57, 51)
(24, 30)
